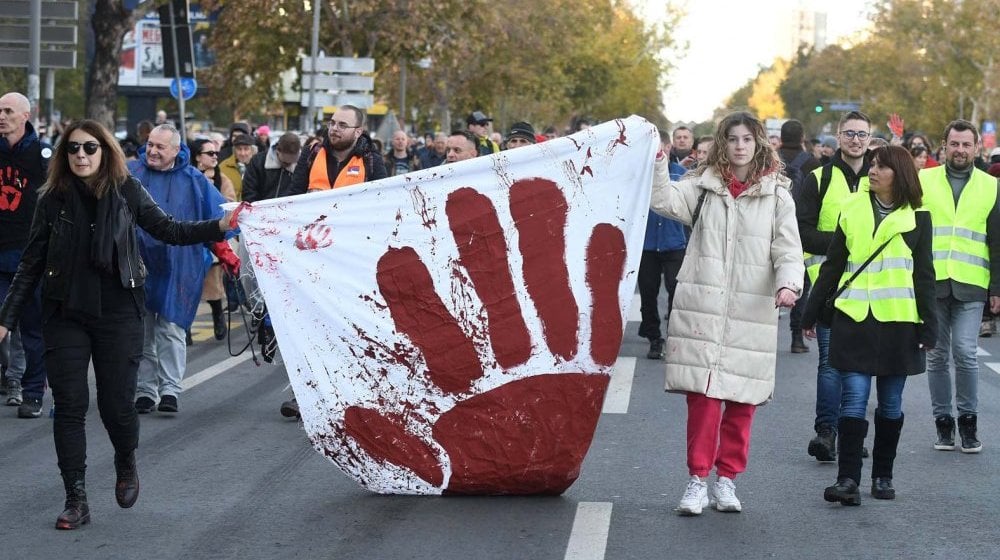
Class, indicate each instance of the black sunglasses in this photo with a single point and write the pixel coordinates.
(89, 148)
(210, 154)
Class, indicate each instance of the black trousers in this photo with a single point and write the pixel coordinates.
(655, 266)
(114, 342)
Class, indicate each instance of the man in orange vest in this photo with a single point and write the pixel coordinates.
(347, 156)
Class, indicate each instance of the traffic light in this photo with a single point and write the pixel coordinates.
(819, 107)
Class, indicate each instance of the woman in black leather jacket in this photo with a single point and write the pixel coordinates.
(82, 246)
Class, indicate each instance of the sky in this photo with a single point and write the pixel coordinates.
(728, 41)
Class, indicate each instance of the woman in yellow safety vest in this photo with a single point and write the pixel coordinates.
(883, 320)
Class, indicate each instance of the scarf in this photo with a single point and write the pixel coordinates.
(736, 188)
(110, 222)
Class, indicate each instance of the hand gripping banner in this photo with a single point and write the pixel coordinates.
(453, 330)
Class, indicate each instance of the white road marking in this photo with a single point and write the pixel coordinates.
(995, 366)
(981, 352)
(620, 388)
(634, 309)
(589, 538)
(208, 373)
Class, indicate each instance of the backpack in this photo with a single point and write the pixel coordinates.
(794, 171)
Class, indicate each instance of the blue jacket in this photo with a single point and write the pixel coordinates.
(175, 272)
(664, 234)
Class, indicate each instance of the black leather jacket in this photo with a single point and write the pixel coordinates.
(51, 242)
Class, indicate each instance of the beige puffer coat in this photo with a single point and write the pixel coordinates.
(722, 333)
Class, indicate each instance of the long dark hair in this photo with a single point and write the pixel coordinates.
(110, 174)
(906, 183)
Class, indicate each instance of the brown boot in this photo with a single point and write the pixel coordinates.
(77, 511)
(127, 479)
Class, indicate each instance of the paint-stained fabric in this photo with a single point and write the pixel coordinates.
(453, 330)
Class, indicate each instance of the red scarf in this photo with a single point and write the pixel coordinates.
(736, 188)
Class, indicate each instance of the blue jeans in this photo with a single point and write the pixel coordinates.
(958, 337)
(828, 383)
(857, 387)
(30, 328)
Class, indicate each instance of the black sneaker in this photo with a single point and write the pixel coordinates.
(655, 349)
(144, 405)
(824, 446)
(30, 408)
(946, 433)
(967, 431)
(168, 403)
(844, 491)
(290, 409)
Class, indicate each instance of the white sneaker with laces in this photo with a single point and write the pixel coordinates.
(695, 497)
(724, 492)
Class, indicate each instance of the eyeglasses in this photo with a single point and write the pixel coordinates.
(210, 154)
(89, 148)
(859, 134)
(340, 125)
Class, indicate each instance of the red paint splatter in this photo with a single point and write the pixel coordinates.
(387, 440)
(605, 263)
(539, 210)
(419, 313)
(483, 251)
(622, 139)
(526, 437)
(427, 215)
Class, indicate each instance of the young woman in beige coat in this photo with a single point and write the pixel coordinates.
(744, 260)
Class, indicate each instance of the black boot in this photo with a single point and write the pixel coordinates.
(852, 432)
(126, 479)
(967, 431)
(219, 326)
(655, 349)
(798, 344)
(884, 454)
(77, 511)
(824, 446)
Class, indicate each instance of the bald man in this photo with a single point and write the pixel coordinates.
(24, 163)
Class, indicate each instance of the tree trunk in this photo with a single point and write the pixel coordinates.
(110, 22)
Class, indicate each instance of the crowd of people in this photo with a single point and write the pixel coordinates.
(108, 248)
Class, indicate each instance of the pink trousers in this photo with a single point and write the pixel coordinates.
(718, 434)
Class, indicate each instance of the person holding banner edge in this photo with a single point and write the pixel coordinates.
(743, 261)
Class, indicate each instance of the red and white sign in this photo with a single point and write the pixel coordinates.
(453, 330)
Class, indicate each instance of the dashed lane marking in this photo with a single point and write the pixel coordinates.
(620, 388)
(981, 352)
(210, 372)
(589, 538)
(995, 366)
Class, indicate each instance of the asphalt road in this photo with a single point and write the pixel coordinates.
(228, 477)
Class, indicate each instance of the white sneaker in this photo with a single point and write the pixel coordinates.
(724, 492)
(695, 497)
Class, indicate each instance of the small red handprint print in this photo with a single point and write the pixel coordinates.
(11, 189)
(314, 236)
(512, 428)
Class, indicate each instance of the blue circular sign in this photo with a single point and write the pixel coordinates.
(188, 87)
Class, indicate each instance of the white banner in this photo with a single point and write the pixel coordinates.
(453, 330)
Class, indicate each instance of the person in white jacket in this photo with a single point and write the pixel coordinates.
(743, 262)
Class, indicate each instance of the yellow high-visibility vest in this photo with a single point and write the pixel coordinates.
(829, 210)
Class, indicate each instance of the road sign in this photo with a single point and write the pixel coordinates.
(359, 100)
(845, 106)
(339, 64)
(21, 9)
(188, 87)
(18, 58)
(347, 82)
(51, 34)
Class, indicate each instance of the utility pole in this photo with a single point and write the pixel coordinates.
(177, 72)
(310, 116)
(34, 57)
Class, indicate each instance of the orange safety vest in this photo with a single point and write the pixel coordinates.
(351, 173)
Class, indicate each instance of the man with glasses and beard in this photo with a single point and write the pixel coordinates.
(346, 156)
(817, 207)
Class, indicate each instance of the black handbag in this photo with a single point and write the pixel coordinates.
(826, 313)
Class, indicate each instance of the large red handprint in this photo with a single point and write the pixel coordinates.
(527, 435)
